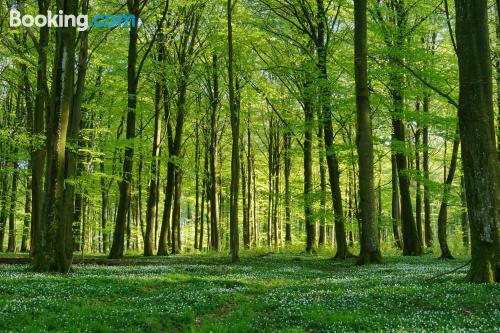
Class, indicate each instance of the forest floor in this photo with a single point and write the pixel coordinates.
(263, 293)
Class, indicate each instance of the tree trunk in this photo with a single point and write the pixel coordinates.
(331, 157)
(418, 195)
(427, 200)
(411, 243)
(464, 215)
(4, 207)
(396, 211)
(153, 185)
(370, 248)
(27, 217)
(235, 129)
(11, 246)
(308, 181)
(55, 247)
(322, 177)
(117, 247)
(40, 117)
(443, 210)
(212, 188)
(288, 167)
(477, 132)
(245, 204)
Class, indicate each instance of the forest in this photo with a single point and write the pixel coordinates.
(250, 166)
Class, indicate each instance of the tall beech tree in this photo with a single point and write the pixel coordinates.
(477, 133)
(370, 248)
(55, 249)
(235, 134)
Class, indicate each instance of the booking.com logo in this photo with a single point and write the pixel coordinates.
(80, 22)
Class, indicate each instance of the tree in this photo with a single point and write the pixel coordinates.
(55, 249)
(370, 249)
(477, 135)
(235, 133)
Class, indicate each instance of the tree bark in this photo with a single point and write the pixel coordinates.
(235, 129)
(427, 200)
(153, 185)
(477, 132)
(55, 247)
(396, 211)
(117, 247)
(370, 248)
(443, 210)
(11, 246)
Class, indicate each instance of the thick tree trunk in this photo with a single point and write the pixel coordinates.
(39, 119)
(54, 251)
(477, 132)
(370, 248)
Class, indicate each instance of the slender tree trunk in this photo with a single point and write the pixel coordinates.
(176, 226)
(396, 212)
(245, 203)
(4, 207)
(288, 168)
(477, 132)
(443, 210)
(427, 200)
(411, 243)
(11, 246)
(322, 177)
(308, 181)
(249, 182)
(235, 129)
(418, 195)
(104, 210)
(464, 215)
(153, 185)
(117, 247)
(331, 157)
(212, 188)
(27, 217)
(197, 179)
(73, 168)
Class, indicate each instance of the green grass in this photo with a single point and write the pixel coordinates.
(265, 293)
